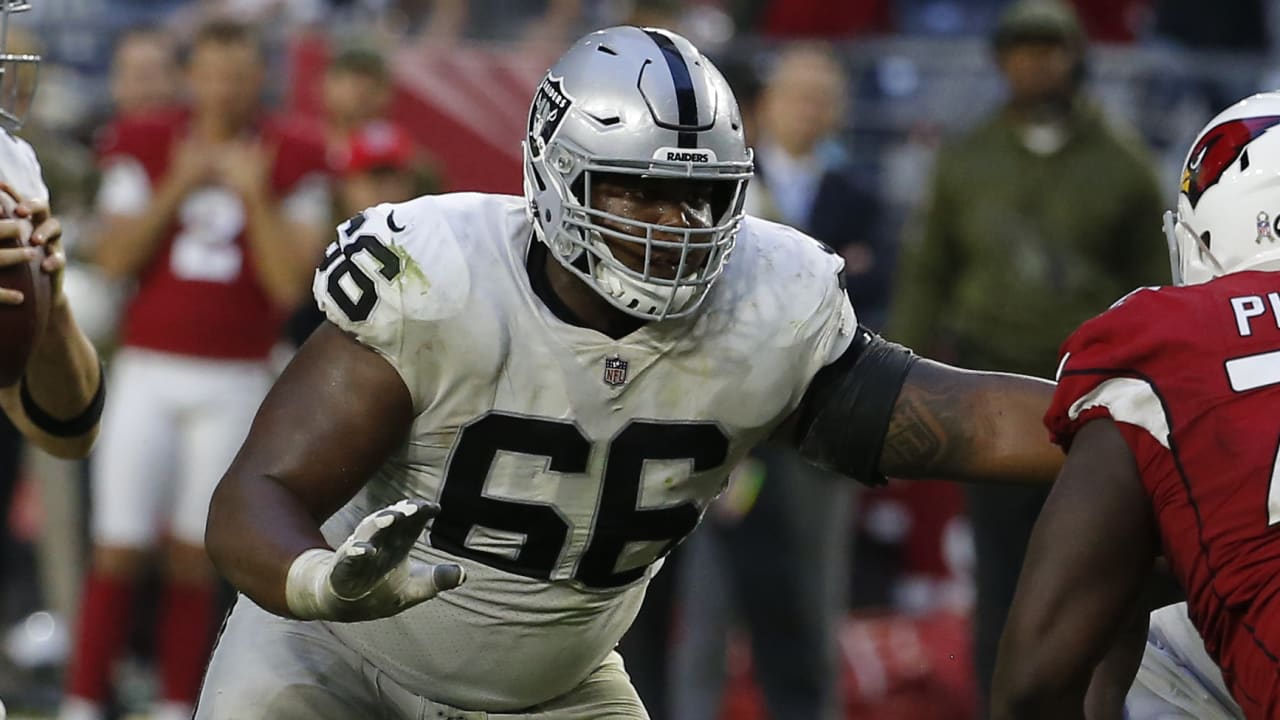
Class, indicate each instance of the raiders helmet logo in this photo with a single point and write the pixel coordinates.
(1220, 147)
(550, 105)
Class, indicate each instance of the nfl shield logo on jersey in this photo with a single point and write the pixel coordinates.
(615, 370)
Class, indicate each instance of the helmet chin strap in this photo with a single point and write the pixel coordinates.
(629, 293)
(1191, 262)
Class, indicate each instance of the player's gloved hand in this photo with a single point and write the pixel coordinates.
(370, 575)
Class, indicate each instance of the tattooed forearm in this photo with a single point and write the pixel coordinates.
(962, 425)
(930, 424)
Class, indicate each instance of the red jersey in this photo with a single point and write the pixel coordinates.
(199, 294)
(1191, 375)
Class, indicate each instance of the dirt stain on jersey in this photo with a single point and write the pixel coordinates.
(410, 270)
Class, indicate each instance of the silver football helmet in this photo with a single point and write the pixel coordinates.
(17, 71)
(641, 102)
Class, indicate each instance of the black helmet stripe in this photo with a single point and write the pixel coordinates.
(686, 100)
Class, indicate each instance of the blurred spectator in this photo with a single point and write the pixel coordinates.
(804, 180)
(357, 89)
(145, 75)
(773, 554)
(1040, 217)
(380, 163)
(219, 215)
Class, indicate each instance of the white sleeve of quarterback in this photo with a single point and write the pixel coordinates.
(392, 274)
(20, 169)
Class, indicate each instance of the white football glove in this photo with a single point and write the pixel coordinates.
(370, 575)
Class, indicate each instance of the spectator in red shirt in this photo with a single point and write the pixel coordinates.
(218, 215)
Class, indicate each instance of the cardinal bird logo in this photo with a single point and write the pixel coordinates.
(1220, 147)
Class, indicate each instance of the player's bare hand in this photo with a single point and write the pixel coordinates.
(371, 574)
(47, 235)
(45, 241)
(13, 256)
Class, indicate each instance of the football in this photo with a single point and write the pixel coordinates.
(21, 325)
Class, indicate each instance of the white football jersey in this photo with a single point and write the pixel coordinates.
(566, 463)
(1177, 677)
(20, 169)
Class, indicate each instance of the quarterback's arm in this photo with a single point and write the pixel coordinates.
(59, 399)
(879, 410)
(1089, 554)
(334, 415)
(58, 402)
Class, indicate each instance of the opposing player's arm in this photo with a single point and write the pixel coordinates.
(1109, 685)
(1091, 550)
(880, 410)
(1114, 675)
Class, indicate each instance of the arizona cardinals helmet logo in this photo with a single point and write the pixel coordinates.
(1215, 152)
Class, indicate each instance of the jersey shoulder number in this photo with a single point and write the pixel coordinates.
(391, 273)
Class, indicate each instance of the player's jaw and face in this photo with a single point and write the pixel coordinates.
(672, 202)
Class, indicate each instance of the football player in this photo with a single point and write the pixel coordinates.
(1167, 403)
(558, 384)
(58, 401)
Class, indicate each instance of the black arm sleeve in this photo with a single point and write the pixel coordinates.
(844, 414)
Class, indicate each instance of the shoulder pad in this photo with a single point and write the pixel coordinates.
(778, 259)
(392, 267)
(1107, 364)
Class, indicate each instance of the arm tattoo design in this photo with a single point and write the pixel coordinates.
(914, 435)
(933, 429)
